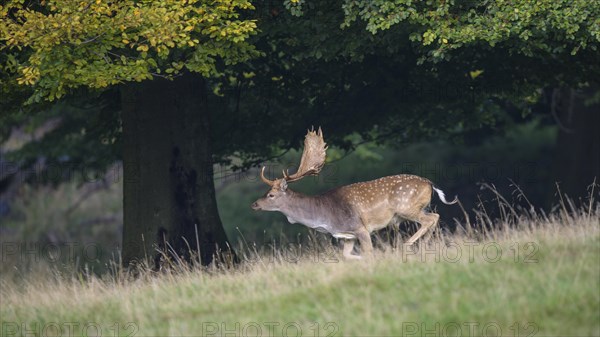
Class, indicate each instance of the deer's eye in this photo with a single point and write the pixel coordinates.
(271, 195)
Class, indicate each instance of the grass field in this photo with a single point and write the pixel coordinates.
(531, 277)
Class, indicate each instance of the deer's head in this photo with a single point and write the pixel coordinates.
(311, 163)
(275, 198)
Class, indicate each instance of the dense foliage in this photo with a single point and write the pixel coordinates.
(343, 70)
(533, 28)
(403, 70)
(56, 46)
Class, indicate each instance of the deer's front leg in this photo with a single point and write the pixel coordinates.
(348, 246)
(366, 246)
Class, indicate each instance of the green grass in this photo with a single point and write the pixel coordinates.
(549, 286)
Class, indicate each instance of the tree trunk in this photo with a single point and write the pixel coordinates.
(578, 148)
(169, 195)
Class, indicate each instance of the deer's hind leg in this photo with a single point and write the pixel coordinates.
(427, 222)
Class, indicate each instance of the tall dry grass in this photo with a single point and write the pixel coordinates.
(528, 272)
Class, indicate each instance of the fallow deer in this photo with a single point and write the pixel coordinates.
(353, 211)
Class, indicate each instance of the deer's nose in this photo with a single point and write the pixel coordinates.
(254, 206)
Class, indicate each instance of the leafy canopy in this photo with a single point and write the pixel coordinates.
(528, 27)
(409, 69)
(56, 46)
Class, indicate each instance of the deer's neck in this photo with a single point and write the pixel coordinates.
(313, 211)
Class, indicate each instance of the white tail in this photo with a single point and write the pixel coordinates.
(442, 197)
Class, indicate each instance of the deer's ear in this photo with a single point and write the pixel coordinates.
(283, 185)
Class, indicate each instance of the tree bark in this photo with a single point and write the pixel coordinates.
(168, 192)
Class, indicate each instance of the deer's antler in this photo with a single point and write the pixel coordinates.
(313, 157)
(265, 180)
